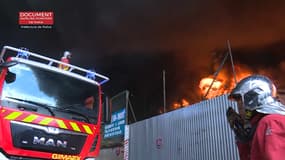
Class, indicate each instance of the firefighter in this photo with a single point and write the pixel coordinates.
(89, 102)
(65, 59)
(260, 125)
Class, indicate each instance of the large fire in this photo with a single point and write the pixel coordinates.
(222, 84)
(210, 88)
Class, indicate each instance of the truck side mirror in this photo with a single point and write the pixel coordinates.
(10, 77)
(8, 64)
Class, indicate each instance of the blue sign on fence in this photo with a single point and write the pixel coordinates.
(117, 126)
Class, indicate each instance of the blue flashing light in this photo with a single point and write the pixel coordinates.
(91, 74)
(23, 54)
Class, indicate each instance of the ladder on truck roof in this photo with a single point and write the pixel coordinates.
(52, 62)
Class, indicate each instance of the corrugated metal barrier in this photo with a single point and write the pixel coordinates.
(115, 153)
(197, 132)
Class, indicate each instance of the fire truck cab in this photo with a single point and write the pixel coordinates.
(43, 112)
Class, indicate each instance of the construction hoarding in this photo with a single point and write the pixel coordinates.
(197, 132)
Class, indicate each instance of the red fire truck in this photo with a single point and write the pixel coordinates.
(43, 115)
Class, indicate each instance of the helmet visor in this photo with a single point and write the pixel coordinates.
(235, 97)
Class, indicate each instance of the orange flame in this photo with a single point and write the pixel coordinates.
(182, 103)
(216, 88)
(223, 84)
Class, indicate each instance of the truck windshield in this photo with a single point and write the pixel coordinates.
(63, 94)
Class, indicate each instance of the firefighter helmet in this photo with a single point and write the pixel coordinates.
(257, 92)
(67, 54)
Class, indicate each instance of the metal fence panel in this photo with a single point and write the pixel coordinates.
(197, 132)
(115, 153)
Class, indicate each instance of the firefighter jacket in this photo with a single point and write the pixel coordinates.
(268, 142)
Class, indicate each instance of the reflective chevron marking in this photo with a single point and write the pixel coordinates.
(37, 119)
(13, 115)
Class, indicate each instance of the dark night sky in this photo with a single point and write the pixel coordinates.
(132, 41)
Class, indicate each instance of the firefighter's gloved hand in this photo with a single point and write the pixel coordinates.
(241, 128)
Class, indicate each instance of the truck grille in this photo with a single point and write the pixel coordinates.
(46, 139)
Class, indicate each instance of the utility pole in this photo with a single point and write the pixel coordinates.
(164, 92)
(232, 61)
